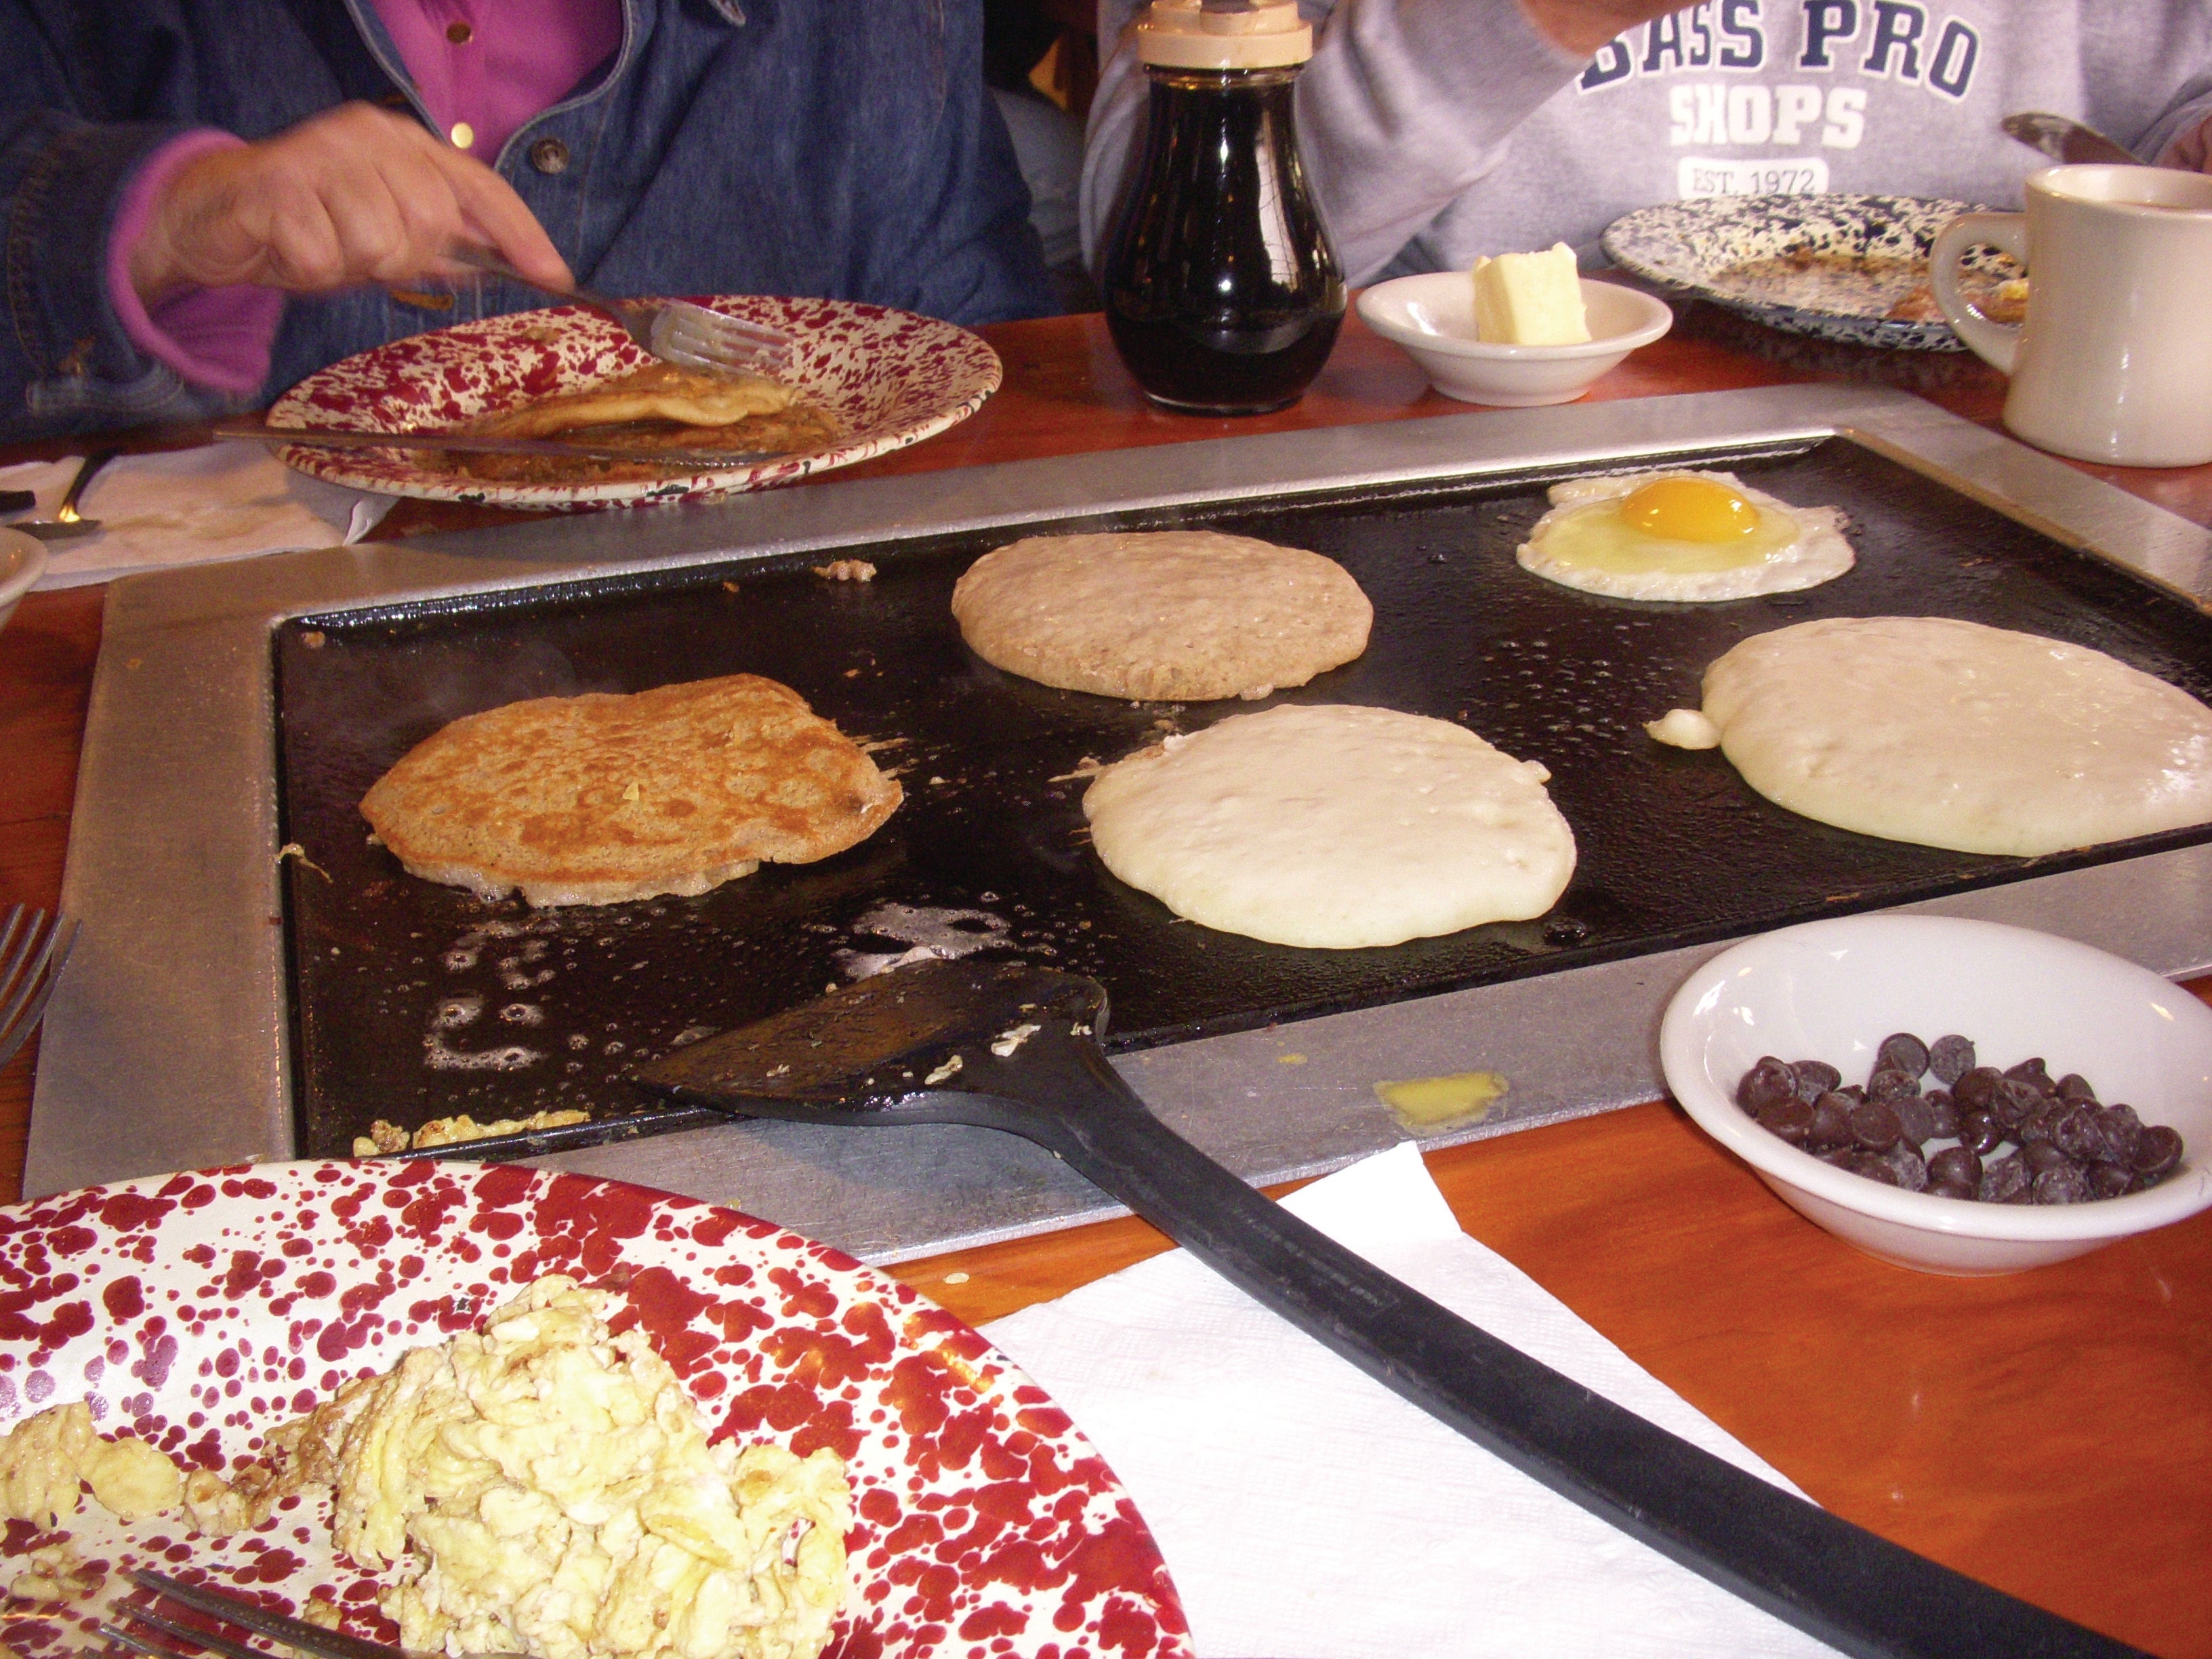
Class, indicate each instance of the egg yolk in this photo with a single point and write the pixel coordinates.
(1689, 510)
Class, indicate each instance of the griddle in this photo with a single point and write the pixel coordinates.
(414, 1001)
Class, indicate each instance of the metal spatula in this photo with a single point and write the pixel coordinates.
(1014, 1047)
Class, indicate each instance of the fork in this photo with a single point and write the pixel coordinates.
(30, 963)
(674, 331)
(234, 1609)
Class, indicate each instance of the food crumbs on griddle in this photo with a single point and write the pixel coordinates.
(845, 570)
(1006, 1042)
(292, 849)
(944, 1071)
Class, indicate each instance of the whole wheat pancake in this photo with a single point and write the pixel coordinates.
(1172, 615)
(597, 799)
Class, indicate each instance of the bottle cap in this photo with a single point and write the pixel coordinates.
(1224, 34)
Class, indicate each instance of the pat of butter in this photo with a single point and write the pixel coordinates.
(1529, 298)
(1433, 1103)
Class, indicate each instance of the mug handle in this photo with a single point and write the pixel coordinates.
(1994, 343)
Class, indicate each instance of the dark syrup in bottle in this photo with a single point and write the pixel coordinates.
(1222, 293)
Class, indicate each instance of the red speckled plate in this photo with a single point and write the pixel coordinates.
(200, 1310)
(891, 378)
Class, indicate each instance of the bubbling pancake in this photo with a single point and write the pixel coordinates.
(1951, 734)
(1333, 827)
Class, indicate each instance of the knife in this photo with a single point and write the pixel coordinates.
(716, 460)
(2064, 139)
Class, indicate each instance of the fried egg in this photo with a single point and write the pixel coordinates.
(1687, 536)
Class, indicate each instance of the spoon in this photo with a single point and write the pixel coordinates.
(1006, 1046)
(2064, 139)
(66, 525)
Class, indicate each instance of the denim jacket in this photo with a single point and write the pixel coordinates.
(844, 149)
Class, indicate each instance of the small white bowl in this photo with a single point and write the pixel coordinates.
(1432, 317)
(1833, 990)
(22, 562)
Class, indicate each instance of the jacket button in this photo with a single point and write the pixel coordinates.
(550, 155)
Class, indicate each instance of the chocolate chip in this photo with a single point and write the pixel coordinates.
(1902, 1051)
(2041, 1157)
(2075, 1086)
(2034, 1074)
(1768, 1084)
(2068, 1185)
(1976, 1088)
(1942, 1114)
(1950, 1058)
(2110, 1180)
(1875, 1125)
(1791, 1119)
(1912, 1172)
(1979, 1131)
(1955, 1164)
(2158, 1149)
(2079, 1134)
(1815, 1078)
(1914, 1120)
(1831, 1122)
(2003, 1180)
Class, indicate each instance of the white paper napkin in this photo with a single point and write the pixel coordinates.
(192, 507)
(1308, 1513)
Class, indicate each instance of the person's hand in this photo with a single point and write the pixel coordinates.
(2191, 150)
(353, 195)
(1582, 27)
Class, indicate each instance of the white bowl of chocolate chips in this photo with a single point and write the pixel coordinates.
(2083, 1070)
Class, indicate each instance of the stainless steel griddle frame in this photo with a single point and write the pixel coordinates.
(166, 1046)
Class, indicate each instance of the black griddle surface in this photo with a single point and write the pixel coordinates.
(416, 1001)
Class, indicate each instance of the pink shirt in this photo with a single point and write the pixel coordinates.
(484, 68)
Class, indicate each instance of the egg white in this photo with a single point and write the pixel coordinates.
(1817, 554)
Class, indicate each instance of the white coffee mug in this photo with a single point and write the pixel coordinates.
(2114, 360)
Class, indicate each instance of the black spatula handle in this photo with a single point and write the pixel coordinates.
(1838, 1581)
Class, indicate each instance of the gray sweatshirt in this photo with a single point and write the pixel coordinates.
(1437, 129)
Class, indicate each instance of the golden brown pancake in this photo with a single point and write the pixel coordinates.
(657, 392)
(597, 799)
(650, 411)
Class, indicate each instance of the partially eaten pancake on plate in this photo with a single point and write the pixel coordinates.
(1334, 827)
(600, 798)
(1167, 615)
(651, 410)
(1952, 734)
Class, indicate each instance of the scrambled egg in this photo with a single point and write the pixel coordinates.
(383, 1137)
(542, 1485)
(43, 1459)
(545, 1485)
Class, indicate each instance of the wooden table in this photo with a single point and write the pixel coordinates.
(2050, 1433)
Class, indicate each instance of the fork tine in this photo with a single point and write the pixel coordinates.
(311, 1638)
(17, 1024)
(23, 1000)
(206, 1639)
(23, 950)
